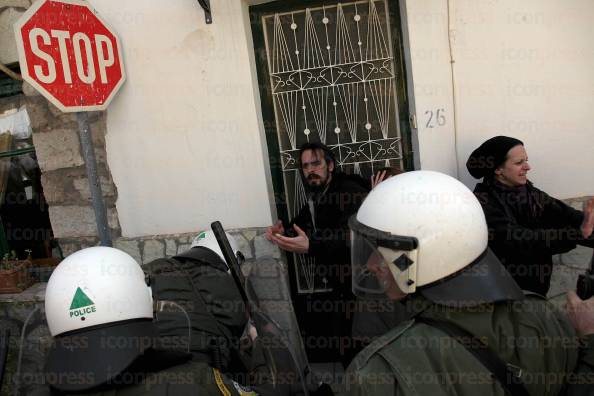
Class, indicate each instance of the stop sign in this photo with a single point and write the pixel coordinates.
(68, 53)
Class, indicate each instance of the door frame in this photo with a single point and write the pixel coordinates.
(404, 95)
(404, 91)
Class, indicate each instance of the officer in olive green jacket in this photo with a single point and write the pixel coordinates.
(99, 310)
(421, 238)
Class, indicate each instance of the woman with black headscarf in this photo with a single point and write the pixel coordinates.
(526, 225)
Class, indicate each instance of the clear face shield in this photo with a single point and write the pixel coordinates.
(383, 265)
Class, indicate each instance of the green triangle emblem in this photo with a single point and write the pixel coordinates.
(80, 300)
(202, 235)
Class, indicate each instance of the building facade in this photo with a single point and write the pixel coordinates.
(206, 126)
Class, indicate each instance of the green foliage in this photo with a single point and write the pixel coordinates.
(10, 261)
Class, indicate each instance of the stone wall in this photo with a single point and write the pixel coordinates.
(10, 12)
(16, 311)
(64, 179)
(251, 241)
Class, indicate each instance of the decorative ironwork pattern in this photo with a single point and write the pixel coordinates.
(332, 78)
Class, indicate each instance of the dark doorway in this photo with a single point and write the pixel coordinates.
(331, 72)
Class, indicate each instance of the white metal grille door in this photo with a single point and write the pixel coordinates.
(332, 79)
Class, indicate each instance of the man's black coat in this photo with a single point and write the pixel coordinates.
(325, 318)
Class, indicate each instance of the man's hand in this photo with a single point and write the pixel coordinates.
(588, 223)
(298, 244)
(377, 178)
(580, 313)
(274, 229)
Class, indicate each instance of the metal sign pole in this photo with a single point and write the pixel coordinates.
(94, 184)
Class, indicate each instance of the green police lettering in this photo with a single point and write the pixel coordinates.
(82, 311)
(81, 305)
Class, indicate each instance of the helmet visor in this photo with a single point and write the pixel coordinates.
(369, 269)
(371, 274)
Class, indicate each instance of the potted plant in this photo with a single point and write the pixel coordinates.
(14, 274)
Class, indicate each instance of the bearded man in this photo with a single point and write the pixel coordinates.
(320, 230)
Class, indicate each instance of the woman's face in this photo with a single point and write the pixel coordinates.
(514, 170)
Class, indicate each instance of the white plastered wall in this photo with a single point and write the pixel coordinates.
(184, 142)
(427, 25)
(523, 69)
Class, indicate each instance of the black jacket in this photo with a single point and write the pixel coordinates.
(525, 235)
(197, 280)
(328, 240)
(159, 374)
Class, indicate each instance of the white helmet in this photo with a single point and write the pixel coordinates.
(208, 240)
(96, 286)
(421, 227)
(100, 295)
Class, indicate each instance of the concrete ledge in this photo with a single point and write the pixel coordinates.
(35, 293)
(144, 249)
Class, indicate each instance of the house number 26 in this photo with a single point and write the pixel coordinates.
(435, 118)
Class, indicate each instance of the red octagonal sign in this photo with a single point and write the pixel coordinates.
(69, 54)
